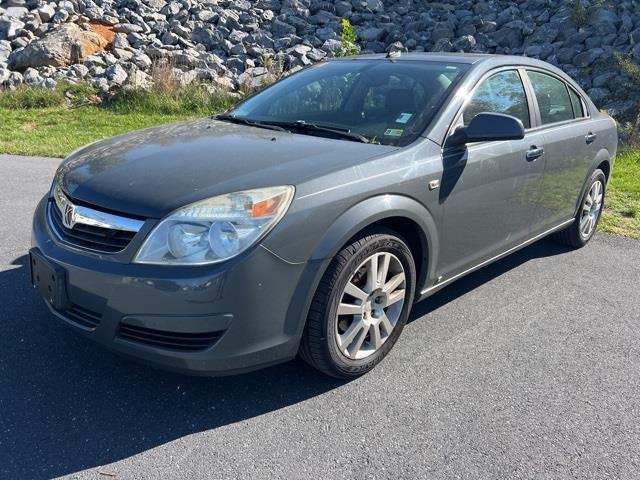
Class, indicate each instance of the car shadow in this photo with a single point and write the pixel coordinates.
(542, 248)
(67, 405)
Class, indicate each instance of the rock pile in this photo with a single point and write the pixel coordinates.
(114, 43)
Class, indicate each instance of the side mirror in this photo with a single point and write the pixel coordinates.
(488, 127)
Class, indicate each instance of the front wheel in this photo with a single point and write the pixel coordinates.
(582, 229)
(360, 307)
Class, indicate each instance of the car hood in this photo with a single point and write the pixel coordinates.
(152, 172)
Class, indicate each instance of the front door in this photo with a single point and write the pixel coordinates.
(489, 190)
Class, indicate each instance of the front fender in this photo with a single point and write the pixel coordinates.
(373, 210)
(344, 228)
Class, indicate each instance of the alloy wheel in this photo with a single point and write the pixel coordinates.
(591, 209)
(370, 306)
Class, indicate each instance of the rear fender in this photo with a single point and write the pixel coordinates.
(601, 156)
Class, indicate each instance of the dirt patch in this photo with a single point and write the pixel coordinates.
(105, 31)
(29, 126)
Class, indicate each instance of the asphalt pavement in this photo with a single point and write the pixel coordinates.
(528, 368)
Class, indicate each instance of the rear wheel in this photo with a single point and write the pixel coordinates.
(360, 307)
(582, 229)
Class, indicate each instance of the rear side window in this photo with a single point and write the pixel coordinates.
(500, 93)
(576, 103)
(553, 98)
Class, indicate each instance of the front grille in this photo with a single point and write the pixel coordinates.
(186, 342)
(90, 237)
(83, 317)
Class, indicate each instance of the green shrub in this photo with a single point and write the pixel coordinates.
(65, 93)
(581, 13)
(194, 100)
(349, 47)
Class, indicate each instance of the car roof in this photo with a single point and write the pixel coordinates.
(467, 58)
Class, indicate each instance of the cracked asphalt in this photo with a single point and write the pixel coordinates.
(528, 368)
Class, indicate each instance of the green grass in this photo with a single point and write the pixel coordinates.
(622, 206)
(40, 122)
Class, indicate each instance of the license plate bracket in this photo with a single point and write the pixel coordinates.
(49, 279)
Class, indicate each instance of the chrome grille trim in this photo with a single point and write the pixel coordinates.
(91, 217)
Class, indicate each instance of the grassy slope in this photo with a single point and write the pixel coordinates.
(33, 122)
(622, 212)
(38, 122)
(55, 132)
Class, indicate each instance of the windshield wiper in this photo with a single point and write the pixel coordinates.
(224, 117)
(315, 127)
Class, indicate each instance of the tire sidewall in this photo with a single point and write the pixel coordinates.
(378, 244)
(595, 176)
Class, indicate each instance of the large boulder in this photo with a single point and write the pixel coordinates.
(66, 45)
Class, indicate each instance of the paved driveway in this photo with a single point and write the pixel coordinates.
(529, 368)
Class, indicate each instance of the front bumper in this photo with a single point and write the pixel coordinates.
(219, 319)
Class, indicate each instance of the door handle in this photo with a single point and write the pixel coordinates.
(590, 137)
(534, 153)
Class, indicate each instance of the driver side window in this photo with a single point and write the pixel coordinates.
(500, 93)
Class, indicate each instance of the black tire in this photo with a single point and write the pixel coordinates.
(319, 346)
(571, 235)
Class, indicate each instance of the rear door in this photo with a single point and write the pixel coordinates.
(488, 190)
(570, 147)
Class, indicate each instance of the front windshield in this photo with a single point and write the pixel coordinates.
(386, 102)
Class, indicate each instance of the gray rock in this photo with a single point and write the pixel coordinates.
(370, 34)
(533, 51)
(141, 60)
(280, 28)
(32, 77)
(598, 95)
(9, 27)
(508, 37)
(5, 50)
(61, 16)
(116, 74)
(465, 43)
(208, 36)
(128, 28)
(603, 80)
(331, 45)
(587, 58)
(101, 83)
(620, 108)
(14, 81)
(207, 16)
(4, 75)
(443, 45)
(79, 70)
(16, 11)
(46, 13)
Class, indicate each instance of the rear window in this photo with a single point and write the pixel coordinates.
(553, 98)
(576, 103)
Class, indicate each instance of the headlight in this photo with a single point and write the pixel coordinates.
(215, 229)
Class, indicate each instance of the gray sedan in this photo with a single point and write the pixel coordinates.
(309, 219)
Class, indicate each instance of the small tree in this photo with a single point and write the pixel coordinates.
(349, 38)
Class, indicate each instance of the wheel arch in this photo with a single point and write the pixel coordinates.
(404, 215)
(601, 161)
